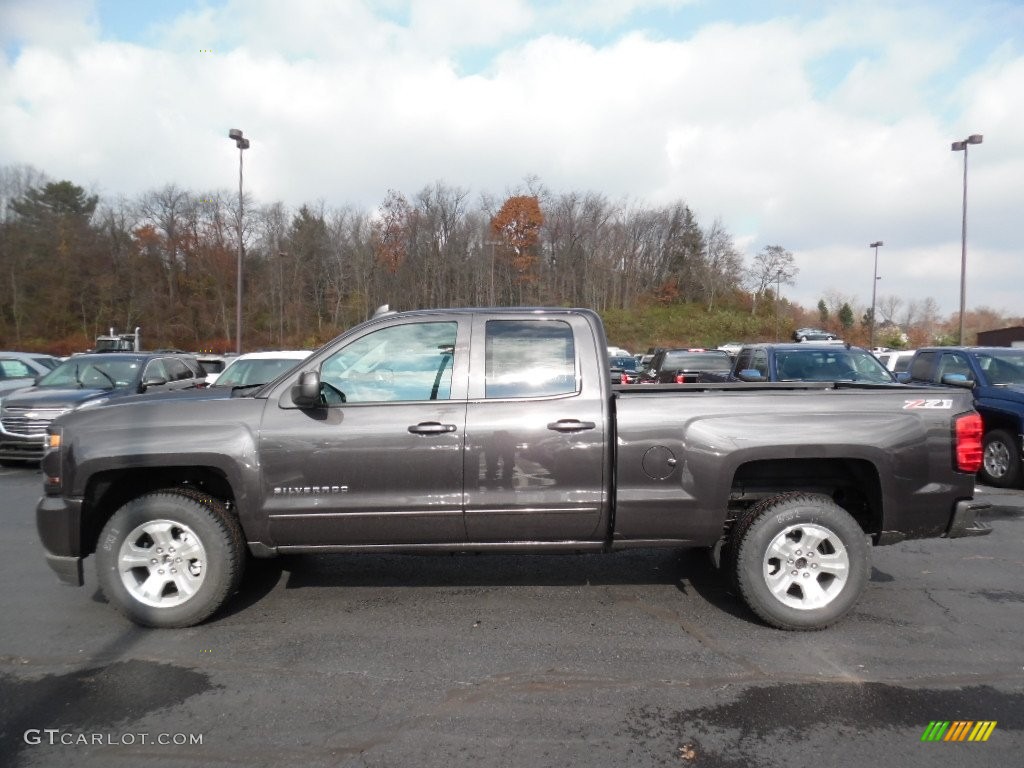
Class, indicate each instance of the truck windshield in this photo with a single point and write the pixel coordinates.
(87, 373)
(247, 373)
(826, 364)
(1003, 368)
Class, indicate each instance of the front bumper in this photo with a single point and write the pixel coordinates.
(965, 522)
(21, 447)
(59, 522)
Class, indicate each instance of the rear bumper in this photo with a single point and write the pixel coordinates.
(965, 522)
(58, 521)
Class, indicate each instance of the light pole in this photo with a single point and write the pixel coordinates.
(974, 138)
(242, 143)
(778, 300)
(874, 285)
(280, 318)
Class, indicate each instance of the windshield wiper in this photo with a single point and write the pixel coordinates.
(113, 384)
(244, 387)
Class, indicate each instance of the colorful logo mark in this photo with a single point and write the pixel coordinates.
(958, 730)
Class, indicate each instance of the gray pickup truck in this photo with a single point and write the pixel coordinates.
(498, 430)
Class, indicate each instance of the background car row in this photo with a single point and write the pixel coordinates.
(93, 379)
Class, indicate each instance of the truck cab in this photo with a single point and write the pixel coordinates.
(119, 342)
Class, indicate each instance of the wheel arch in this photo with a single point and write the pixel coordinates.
(996, 419)
(108, 491)
(852, 483)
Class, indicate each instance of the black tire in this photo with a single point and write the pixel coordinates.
(780, 579)
(170, 558)
(1000, 463)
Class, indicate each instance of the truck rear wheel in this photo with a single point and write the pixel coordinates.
(800, 561)
(170, 558)
(1000, 462)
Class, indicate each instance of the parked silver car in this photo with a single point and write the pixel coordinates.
(20, 369)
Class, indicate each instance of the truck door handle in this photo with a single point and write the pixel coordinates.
(431, 428)
(570, 425)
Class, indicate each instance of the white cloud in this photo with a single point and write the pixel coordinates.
(444, 25)
(342, 103)
(602, 14)
(53, 24)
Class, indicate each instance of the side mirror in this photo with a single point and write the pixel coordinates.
(750, 374)
(903, 377)
(306, 393)
(957, 380)
(152, 381)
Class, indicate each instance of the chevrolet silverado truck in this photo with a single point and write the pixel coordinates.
(486, 430)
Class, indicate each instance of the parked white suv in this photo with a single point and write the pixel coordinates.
(896, 360)
(255, 368)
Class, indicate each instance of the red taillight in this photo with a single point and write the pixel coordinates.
(968, 442)
(623, 378)
(680, 378)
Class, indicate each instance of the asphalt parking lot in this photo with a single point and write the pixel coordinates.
(633, 659)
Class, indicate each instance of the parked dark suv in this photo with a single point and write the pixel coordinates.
(806, 361)
(84, 381)
(685, 366)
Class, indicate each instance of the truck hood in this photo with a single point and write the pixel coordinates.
(57, 397)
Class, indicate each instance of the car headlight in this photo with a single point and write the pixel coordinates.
(91, 403)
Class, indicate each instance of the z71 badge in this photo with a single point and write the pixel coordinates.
(942, 405)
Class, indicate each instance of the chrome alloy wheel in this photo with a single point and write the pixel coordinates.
(806, 566)
(997, 459)
(162, 563)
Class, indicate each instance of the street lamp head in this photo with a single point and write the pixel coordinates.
(961, 146)
(242, 143)
(876, 244)
(235, 134)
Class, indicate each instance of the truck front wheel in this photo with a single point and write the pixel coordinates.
(1000, 464)
(801, 562)
(170, 558)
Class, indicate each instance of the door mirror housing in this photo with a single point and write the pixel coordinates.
(957, 380)
(750, 374)
(152, 381)
(306, 392)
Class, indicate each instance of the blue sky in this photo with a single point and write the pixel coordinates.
(818, 126)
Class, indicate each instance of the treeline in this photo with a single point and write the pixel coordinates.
(75, 265)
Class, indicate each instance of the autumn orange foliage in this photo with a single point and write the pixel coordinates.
(392, 231)
(518, 225)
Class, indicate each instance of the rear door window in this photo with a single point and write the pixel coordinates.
(529, 358)
(177, 369)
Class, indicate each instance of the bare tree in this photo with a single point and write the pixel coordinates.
(723, 265)
(772, 264)
(889, 307)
